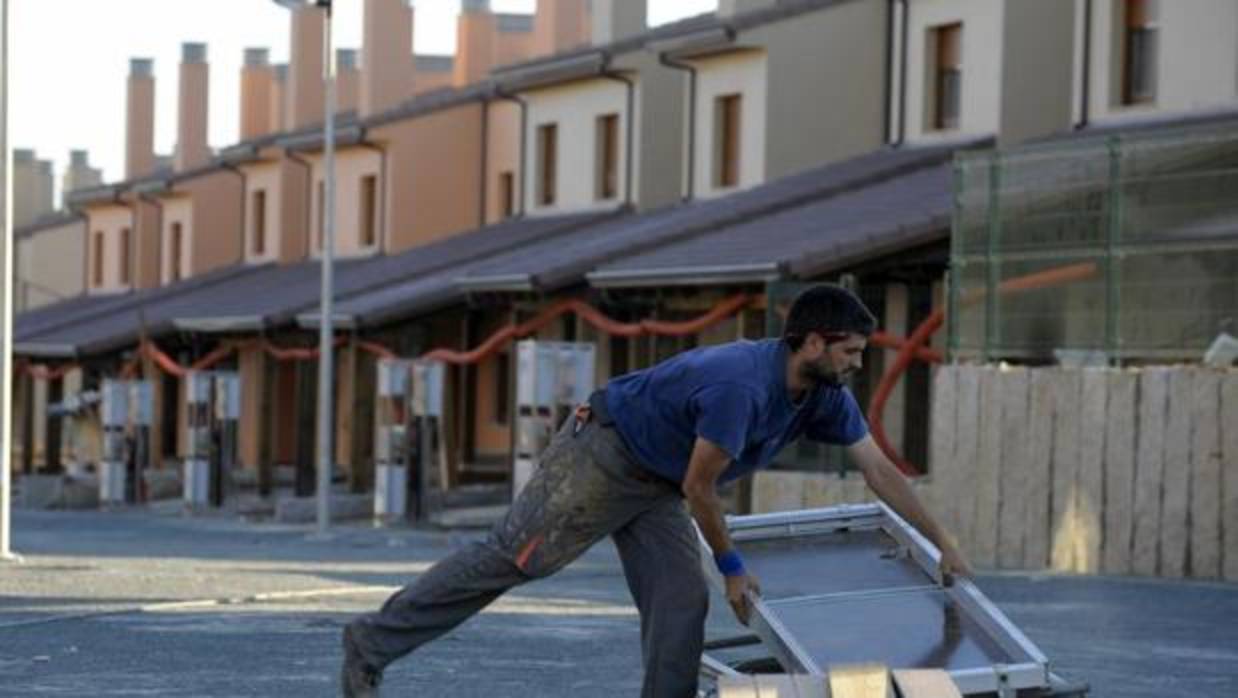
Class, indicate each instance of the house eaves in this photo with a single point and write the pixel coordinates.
(45, 351)
(215, 325)
(509, 283)
(548, 73)
(688, 276)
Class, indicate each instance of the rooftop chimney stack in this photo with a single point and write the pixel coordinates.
(386, 55)
(560, 25)
(257, 78)
(279, 98)
(192, 107)
(140, 119)
(476, 35)
(347, 80)
(617, 19)
(304, 89)
(80, 174)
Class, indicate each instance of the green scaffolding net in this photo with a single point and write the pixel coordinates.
(1150, 218)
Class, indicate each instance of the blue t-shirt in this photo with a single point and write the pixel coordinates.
(733, 395)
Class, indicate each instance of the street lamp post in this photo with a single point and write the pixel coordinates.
(326, 347)
(6, 307)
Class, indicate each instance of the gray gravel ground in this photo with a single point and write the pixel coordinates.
(93, 612)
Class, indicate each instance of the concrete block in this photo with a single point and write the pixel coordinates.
(81, 492)
(1175, 498)
(1037, 521)
(943, 468)
(860, 681)
(925, 683)
(1205, 518)
(163, 484)
(343, 507)
(988, 471)
(959, 491)
(1149, 469)
(1013, 479)
(1090, 483)
(1067, 387)
(778, 685)
(1229, 474)
(1119, 472)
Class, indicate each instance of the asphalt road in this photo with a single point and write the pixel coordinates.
(149, 603)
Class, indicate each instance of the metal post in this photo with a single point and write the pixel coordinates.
(326, 355)
(6, 307)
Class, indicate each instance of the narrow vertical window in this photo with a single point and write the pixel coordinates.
(369, 210)
(125, 252)
(260, 222)
(727, 111)
(98, 258)
(1139, 52)
(176, 250)
(547, 159)
(507, 194)
(607, 157)
(948, 76)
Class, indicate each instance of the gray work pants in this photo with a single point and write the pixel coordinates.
(587, 486)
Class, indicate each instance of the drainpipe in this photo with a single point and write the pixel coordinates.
(1085, 86)
(902, 74)
(159, 233)
(524, 137)
(309, 199)
(665, 59)
(364, 142)
(244, 203)
(631, 119)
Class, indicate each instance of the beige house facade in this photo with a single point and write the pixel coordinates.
(49, 261)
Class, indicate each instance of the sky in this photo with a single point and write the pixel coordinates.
(70, 61)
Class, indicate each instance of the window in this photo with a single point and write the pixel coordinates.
(727, 110)
(507, 194)
(98, 258)
(547, 157)
(174, 253)
(1139, 52)
(369, 210)
(606, 184)
(502, 395)
(260, 222)
(322, 213)
(947, 76)
(125, 251)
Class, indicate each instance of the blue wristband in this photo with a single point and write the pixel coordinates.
(730, 564)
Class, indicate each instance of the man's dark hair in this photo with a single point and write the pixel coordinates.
(828, 310)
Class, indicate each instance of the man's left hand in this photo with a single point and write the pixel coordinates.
(953, 565)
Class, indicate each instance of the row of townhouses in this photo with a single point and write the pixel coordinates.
(702, 167)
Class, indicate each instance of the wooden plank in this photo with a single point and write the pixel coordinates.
(988, 472)
(1067, 394)
(943, 470)
(1091, 483)
(1205, 518)
(1039, 483)
(1119, 472)
(925, 683)
(1174, 502)
(962, 498)
(765, 685)
(1015, 385)
(816, 490)
(777, 490)
(1229, 474)
(860, 681)
(1149, 469)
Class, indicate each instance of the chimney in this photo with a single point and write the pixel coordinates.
(80, 174)
(475, 38)
(386, 55)
(303, 90)
(256, 83)
(32, 187)
(617, 19)
(560, 25)
(347, 80)
(140, 119)
(729, 8)
(278, 112)
(192, 106)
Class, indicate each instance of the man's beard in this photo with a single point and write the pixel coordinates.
(822, 375)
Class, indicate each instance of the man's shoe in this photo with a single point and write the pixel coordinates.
(357, 679)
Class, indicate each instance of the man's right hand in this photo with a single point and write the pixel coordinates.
(737, 588)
